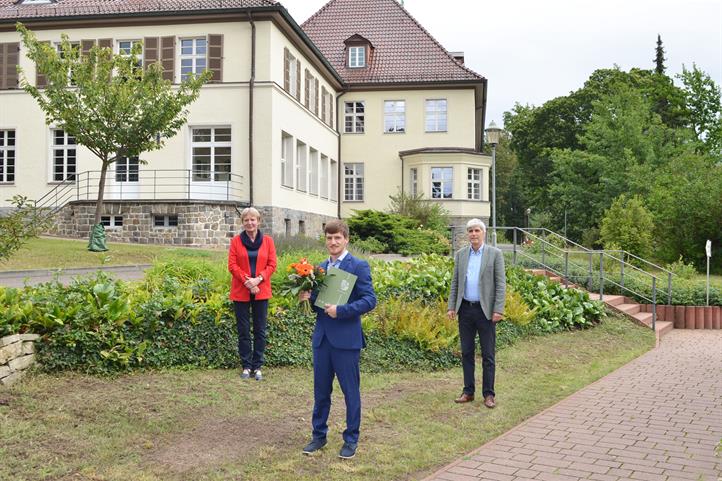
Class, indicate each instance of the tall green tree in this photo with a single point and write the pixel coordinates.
(628, 225)
(659, 57)
(19, 224)
(107, 103)
(703, 99)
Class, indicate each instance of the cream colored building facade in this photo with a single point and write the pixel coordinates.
(269, 131)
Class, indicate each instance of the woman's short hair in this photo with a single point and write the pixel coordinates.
(252, 211)
(335, 226)
(476, 223)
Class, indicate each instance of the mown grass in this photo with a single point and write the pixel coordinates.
(50, 253)
(210, 426)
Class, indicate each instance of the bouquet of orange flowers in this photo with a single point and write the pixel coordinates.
(305, 277)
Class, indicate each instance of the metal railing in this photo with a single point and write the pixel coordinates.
(573, 263)
(159, 184)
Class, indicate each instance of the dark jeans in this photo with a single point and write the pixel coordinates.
(251, 360)
(472, 321)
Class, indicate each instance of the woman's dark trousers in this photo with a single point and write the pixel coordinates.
(251, 357)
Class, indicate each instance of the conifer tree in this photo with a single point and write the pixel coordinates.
(659, 57)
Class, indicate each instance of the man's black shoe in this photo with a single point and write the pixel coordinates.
(348, 451)
(314, 445)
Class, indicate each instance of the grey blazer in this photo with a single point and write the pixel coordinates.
(492, 282)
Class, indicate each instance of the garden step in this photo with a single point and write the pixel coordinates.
(539, 272)
(663, 327)
(628, 308)
(608, 299)
(643, 317)
(556, 279)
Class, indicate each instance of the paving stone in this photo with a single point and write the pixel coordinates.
(657, 418)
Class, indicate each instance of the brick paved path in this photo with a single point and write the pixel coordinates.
(657, 418)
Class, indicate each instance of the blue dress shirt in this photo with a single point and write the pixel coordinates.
(471, 288)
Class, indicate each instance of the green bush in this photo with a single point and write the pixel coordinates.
(403, 235)
(369, 245)
(682, 269)
(428, 214)
(426, 277)
(629, 225)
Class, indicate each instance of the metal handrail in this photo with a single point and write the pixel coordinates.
(151, 184)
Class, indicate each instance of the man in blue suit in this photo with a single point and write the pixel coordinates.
(337, 343)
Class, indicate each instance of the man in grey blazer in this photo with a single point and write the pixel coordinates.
(478, 289)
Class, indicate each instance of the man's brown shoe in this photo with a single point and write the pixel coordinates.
(489, 402)
(464, 398)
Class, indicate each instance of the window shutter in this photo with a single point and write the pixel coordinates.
(315, 97)
(105, 43)
(307, 92)
(41, 81)
(150, 51)
(215, 57)
(323, 104)
(286, 70)
(167, 57)
(85, 46)
(298, 80)
(9, 54)
(330, 109)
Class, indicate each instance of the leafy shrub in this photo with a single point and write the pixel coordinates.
(399, 234)
(428, 214)
(426, 277)
(369, 245)
(516, 310)
(682, 269)
(629, 225)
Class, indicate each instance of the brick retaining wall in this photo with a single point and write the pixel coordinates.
(689, 317)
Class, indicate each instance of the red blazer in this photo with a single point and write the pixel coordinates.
(239, 266)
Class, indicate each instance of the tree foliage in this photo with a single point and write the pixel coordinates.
(21, 223)
(628, 225)
(111, 106)
(704, 102)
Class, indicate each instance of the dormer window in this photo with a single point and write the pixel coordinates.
(357, 57)
(359, 51)
(34, 2)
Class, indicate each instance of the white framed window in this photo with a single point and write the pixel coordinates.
(394, 116)
(473, 184)
(7, 156)
(334, 180)
(111, 221)
(192, 56)
(353, 182)
(442, 182)
(286, 160)
(165, 221)
(127, 169)
(125, 49)
(312, 171)
(301, 166)
(329, 111)
(312, 95)
(354, 117)
(64, 155)
(324, 177)
(293, 74)
(436, 115)
(357, 57)
(211, 154)
(414, 181)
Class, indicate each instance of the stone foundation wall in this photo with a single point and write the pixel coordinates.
(17, 354)
(199, 223)
(458, 230)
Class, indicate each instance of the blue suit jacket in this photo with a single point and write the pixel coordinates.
(345, 332)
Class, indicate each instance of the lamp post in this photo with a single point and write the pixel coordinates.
(492, 136)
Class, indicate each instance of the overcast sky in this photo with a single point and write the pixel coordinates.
(532, 51)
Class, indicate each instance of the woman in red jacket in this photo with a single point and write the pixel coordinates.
(251, 262)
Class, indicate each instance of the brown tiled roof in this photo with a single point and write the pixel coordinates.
(12, 9)
(404, 52)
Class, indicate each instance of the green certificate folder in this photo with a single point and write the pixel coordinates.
(336, 288)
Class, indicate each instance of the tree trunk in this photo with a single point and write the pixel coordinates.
(101, 192)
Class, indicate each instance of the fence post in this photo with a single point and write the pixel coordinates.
(189, 184)
(155, 182)
(654, 303)
(669, 288)
(77, 189)
(514, 255)
(544, 265)
(566, 268)
(452, 229)
(87, 187)
(601, 276)
(591, 273)
(621, 280)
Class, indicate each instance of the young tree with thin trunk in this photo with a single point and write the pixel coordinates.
(107, 102)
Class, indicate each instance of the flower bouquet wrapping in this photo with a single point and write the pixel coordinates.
(304, 277)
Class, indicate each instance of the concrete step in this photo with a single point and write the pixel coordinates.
(556, 279)
(663, 328)
(608, 299)
(628, 308)
(643, 317)
(538, 272)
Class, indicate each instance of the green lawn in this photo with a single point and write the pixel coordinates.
(50, 253)
(211, 426)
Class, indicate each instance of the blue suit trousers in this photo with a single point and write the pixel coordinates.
(328, 362)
